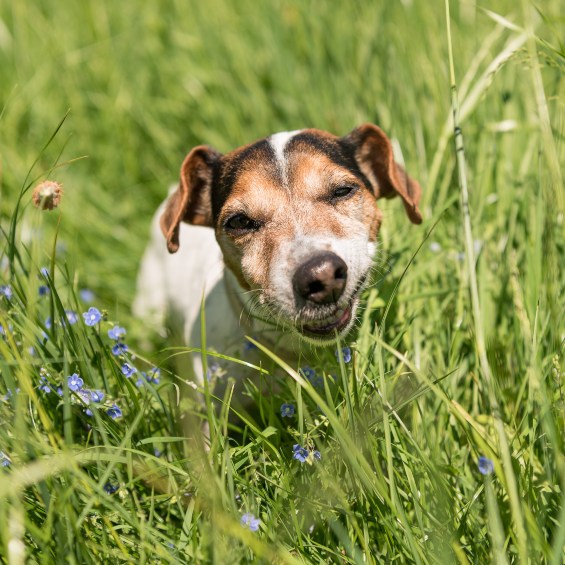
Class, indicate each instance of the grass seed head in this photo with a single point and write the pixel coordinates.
(47, 195)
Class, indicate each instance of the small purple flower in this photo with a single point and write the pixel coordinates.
(92, 317)
(88, 412)
(5, 461)
(44, 385)
(60, 392)
(305, 455)
(287, 410)
(86, 295)
(109, 488)
(249, 521)
(485, 465)
(48, 323)
(72, 317)
(300, 453)
(346, 352)
(96, 395)
(314, 379)
(154, 375)
(43, 290)
(116, 332)
(114, 412)
(248, 346)
(44, 271)
(141, 380)
(307, 372)
(128, 370)
(6, 291)
(157, 452)
(212, 370)
(119, 348)
(84, 395)
(75, 382)
(9, 393)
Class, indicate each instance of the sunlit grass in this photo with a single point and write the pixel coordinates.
(459, 349)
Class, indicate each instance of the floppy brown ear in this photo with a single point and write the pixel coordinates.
(191, 202)
(374, 156)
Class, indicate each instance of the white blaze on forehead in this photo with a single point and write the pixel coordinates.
(278, 142)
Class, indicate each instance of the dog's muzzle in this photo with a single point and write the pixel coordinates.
(318, 284)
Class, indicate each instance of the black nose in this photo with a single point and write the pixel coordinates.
(321, 279)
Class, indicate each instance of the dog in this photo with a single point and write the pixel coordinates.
(277, 238)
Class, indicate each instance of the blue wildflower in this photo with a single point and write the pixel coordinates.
(314, 379)
(305, 455)
(9, 393)
(86, 295)
(212, 370)
(248, 346)
(96, 395)
(114, 412)
(5, 461)
(88, 412)
(154, 375)
(44, 271)
(6, 291)
(128, 370)
(141, 380)
(157, 452)
(485, 465)
(43, 290)
(44, 385)
(307, 372)
(109, 488)
(119, 349)
(116, 332)
(346, 352)
(60, 391)
(84, 395)
(92, 317)
(300, 453)
(249, 521)
(75, 382)
(287, 410)
(48, 323)
(72, 317)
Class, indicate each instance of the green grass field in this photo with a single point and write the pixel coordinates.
(459, 354)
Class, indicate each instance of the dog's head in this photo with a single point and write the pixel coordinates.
(296, 218)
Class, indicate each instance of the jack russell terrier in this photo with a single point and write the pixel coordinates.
(277, 237)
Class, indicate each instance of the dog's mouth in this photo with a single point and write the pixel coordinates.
(328, 326)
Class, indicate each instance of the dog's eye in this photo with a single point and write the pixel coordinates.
(241, 222)
(342, 192)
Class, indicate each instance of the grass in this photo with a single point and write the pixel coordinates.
(459, 352)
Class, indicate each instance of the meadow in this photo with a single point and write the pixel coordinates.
(435, 434)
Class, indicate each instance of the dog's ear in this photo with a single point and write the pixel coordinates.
(192, 201)
(374, 156)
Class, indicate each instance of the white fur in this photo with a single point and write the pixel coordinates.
(278, 142)
(170, 290)
(354, 250)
